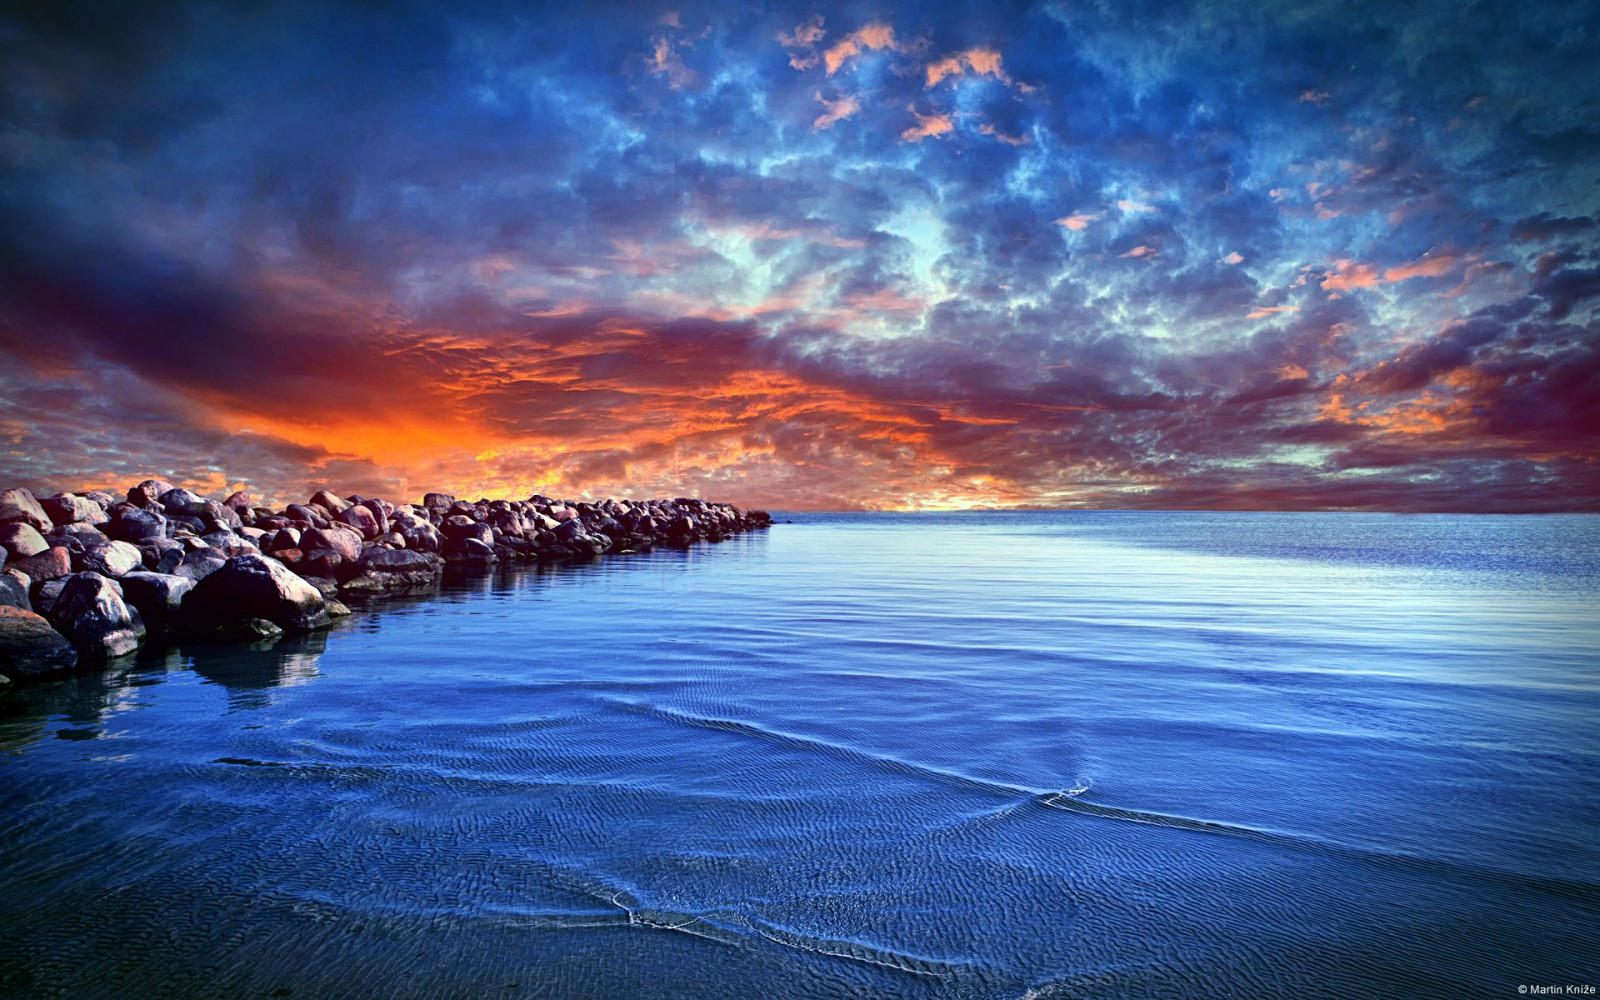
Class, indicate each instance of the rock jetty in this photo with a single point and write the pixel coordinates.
(89, 577)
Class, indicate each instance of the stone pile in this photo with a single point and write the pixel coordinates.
(87, 577)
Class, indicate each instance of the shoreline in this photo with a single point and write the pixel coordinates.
(88, 578)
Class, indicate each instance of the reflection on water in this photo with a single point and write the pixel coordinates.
(863, 756)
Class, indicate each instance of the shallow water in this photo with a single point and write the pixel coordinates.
(969, 755)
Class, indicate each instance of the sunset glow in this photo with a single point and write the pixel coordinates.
(801, 257)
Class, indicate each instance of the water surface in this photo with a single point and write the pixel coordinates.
(968, 755)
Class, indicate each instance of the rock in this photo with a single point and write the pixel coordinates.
(329, 501)
(216, 516)
(239, 501)
(227, 541)
(388, 570)
(148, 493)
(326, 586)
(86, 535)
(336, 608)
(51, 564)
(314, 516)
(179, 501)
(362, 519)
(161, 555)
(42, 595)
(423, 537)
(470, 551)
(113, 559)
(322, 562)
(14, 589)
(21, 540)
(158, 596)
(65, 508)
(30, 647)
(341, 538)
(255, 586)
(437, 501)
(138, 525)
(200, 563)
(91, 614)
(247, 630)
(19, 506)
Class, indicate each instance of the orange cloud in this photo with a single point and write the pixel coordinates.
(1348, 274)
(1077, 221)
(874, 37)
(1011, 140)
(665, 61)
(927, 126)
(981, 61)
(1140, 252)
(835, 111)
(1429, 265)
(1262, 312)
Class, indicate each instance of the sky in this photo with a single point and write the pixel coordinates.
(1131, 254)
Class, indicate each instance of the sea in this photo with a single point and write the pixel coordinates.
(985, 755)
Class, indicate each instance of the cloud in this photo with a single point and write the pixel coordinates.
(875, 37)
(979, 61)
(1077, 221)
(927, 126)
(835, 111)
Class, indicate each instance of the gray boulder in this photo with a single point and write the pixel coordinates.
(90, 612)
(158, 596)
(148, 493)
(341, 538)
(255, 586)
(14, 589)
(138, 525)
(42, 595)
(30, 647)
(113, 559)
(389, 570)
(200, 563)
(22, 540)
(86, 535)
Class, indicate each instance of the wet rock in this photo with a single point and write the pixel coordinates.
(113, 559)
(30, 647)
(18, 506)
(51, 564)
(470, 551)
(256, 586)
(21, 540)
(90, 612)
(66, 508)
(390, 570)
(247, 630)
(157, 596)
(14, 589)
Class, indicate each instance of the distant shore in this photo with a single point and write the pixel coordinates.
(89, 577)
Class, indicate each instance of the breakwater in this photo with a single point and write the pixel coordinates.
(89, 577)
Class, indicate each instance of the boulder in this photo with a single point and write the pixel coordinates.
(239, 501)
(20, 506)
(437, 501)
(86, 535)
(181, 501)
(314, 516)
(385, 570)
(42, 594)
(51, 564)
(113, 559)
(255, 586)
(91, 614)
(30, 647)
(200, 563)
(161, 555)
(329, 501)
(341, 538)
(14, 589)
(138, 525)
(65, 508)
(21, 540)
(148, 493)
(361, 518)
(158, 596)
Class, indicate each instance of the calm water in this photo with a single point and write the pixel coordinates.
(973, 755)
